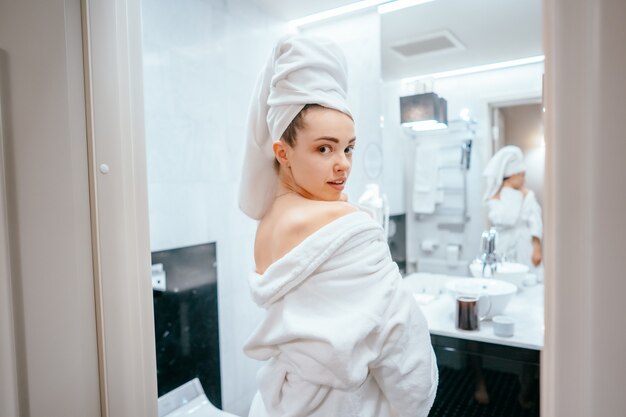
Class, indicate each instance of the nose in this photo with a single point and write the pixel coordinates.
(343, 163)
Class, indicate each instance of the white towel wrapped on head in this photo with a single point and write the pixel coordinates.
(301, 70)
(504, 163)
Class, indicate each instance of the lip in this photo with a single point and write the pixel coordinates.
(338, 184)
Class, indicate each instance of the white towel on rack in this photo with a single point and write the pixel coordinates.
(425, 179)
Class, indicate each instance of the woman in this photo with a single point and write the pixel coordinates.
(340, 336)
(516, 214)
(513, 209)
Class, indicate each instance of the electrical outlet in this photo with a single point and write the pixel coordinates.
(158, 278)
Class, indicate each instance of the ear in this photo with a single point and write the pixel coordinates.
(280, 151)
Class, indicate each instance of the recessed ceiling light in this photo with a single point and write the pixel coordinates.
(479, 68)
(392, 6)
(384, 6)
(328, 14)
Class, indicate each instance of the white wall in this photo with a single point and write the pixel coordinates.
(51, 275)
(474, 92)
(201, 62)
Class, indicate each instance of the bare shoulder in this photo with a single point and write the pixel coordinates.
(316, 214)
(286, 226)
(305, 218)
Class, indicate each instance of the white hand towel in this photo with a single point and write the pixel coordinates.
(425, 180)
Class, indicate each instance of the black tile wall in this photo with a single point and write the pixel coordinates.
(397, 240)
(186, 320)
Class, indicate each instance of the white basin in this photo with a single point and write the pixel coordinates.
(425, 283)
(494, 294)
(516, 274)
(425, 287)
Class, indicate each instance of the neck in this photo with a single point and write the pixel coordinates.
(286, 185)
(282, 191)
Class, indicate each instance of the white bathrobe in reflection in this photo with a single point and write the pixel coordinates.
(341, 337)
(517, 219)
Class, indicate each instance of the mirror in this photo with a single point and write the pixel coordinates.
(373, 160)
(485, 59)
(479, 56)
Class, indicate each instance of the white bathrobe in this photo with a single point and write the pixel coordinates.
(517, 219)
(341, 337)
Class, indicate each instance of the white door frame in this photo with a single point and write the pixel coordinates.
(119, 206)
(519, 98)
(583, 367)
(121, 214)
(9, 401)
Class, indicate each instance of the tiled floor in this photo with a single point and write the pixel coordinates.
(455, 396)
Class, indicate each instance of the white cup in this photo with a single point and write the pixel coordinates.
(503, 326)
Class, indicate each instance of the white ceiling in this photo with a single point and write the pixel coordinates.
(491, 31)
(294, 9)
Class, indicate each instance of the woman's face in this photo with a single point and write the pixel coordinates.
(517, 180)
(321, 158)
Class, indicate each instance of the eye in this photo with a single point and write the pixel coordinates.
(349, 150)
(324, 149)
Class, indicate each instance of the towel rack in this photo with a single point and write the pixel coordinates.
(466, 135)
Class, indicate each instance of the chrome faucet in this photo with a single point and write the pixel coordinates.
(489, 257)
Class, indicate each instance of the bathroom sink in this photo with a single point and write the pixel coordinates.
(516, 274)
(425, 283)
(494, 294)
(425, 286)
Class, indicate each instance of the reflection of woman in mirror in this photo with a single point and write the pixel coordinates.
(340, 336)
(516, 214)
(513, 209)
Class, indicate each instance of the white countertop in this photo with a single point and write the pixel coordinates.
(526, 308)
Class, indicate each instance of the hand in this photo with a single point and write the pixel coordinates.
(536, 258)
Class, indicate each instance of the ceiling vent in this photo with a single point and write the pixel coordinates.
(428, 44)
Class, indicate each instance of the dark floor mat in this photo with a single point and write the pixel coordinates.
(455, 395)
